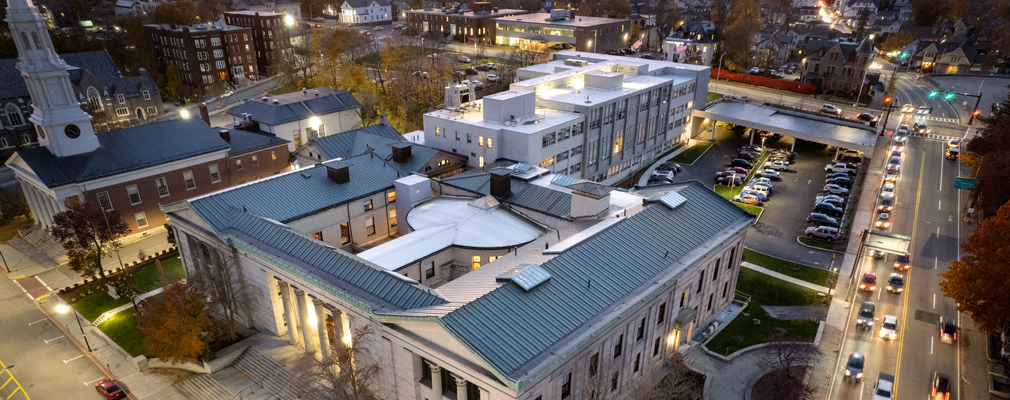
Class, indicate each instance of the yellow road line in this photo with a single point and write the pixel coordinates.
(908, 276)
(3, 368)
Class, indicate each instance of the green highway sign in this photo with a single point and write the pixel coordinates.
(965, 183)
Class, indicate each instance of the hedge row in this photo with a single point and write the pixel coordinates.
(775, 83)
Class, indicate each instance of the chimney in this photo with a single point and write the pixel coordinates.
(383, 120)
(204, 114)
(401, 152)
(340, 174)
(501, 183)
(225, 135)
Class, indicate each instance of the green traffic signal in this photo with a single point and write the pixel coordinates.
(934, 94)
(949, 96)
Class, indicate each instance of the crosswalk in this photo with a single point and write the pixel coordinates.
(931, 118)
(934, 136)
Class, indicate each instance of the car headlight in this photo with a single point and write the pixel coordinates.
(862, 286)
(883, 334)
(889, 287)
(893, 336)
(859, 375)
(870, 323)
(847, 373)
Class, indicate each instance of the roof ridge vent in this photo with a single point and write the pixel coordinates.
(527, 277)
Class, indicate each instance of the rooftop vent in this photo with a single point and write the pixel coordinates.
(277, 101)
(501, 183)
(225, 135)
(264, 99)
(401, 152)
(340, 174)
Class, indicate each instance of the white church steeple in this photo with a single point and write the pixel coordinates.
(62, 126)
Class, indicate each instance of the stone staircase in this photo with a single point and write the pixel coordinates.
(266, 373)
(26, 242)
(203, 387)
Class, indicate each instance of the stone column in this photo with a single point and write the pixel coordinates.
(288, 312)
(303, 313)
(31, 200)
(324, 343)
(461, 393)
(40, 207)
(436, 379)
(51, 205)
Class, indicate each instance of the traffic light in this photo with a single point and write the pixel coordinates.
(976, 112)
(887, 100)
(949, 96)
(934, 93)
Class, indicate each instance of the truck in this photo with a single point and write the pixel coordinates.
(840, 167)
(884, 387)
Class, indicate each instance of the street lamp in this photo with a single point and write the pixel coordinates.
(63, 309)
(719, 72)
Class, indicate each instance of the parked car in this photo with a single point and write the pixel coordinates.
(864, 320)
(822, 219)
(463, 59)
(883, 222)
(840, 167)
(748, 156)
(561, 46)
(663, 173)
(835, 189)
(763, 181)
(470, 70)
(869, 282)
(477, 84)
(759, 189)
(749, 148)
(756, 194)
(493, 78)
(831, 198)
(832, 201)
(109, 390)
(896, 283)
(378, 28)
(739, 162)
(854, 367)
(670, 166)
(754, 71)
(227, 93)
(767, 173)
(843, 182)
(777, 165)
(747, 199)
(659, 180)
(889, 328)
(823, 232)
(829, 209)
(946, 330)
(739, 170)
(830, 109)
(903, 262)
(729, 180)
(208, 100)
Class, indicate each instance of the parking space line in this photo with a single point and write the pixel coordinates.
(55, 338)
(35, 322)
(72, 359)
(96, 380)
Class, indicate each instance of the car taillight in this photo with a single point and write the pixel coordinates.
(934, 393)
(946, 396)
(955, 336)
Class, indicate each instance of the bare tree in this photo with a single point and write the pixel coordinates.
(349, 373)
(778, 385)
(676, 384)
(786, 353)
(219, 278)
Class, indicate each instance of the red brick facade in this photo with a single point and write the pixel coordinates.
(259, 164)
(205, 55)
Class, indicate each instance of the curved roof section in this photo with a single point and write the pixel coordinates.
(478, 224)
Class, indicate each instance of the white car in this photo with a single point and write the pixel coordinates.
(767, 173)
(477, 84)
(767, 186)
(884, 222)
(764, 181)
(378, 28)
(830, 109)
(829, 198)
(888, 189)
(759, 189)
(463, 59)
(227, 93)
(889, 328)
(777, 165)
(835, 189)
(663, 173)
(952, 143)
(746, 199)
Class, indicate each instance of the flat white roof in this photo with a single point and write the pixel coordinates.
(476, 226)
(544, 19)
(474, 115)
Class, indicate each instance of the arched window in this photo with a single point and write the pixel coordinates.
(94, 98)
(140, 113)
(35, 38)
(24, 38)
(14, 115)
(3, 142)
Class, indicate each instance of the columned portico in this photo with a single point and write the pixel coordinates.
(303, 313)
(324, 343)
(31, 200)
(436, 378)
(461, 393)
(288, 312)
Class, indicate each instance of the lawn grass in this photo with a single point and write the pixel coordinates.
(820, 243)
(147, 279)
(751, 209)
(813, 275)
(93, 305)
(713, 96)
(765, 291)
(724, 190)
(10, 229)
(122, 329)
(691, 154)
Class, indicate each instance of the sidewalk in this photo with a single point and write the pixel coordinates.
(648, 173)
(787, 278)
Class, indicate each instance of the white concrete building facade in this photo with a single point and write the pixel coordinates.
(366, 12)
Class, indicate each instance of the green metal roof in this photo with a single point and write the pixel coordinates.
(378, 139)
(524, 194)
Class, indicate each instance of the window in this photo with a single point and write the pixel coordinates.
(162, 184)
(367, 204)
(548, 139)
(662, 314)
(725, 287)
(683, 299)
(619, 141)
(215, 176)
(93, 98)
(152, 111)
(318, 236)
(638, 361)
(218, 54)
(618, 346)
(492, 258)
(220, 63)
(430, 272)
(392, 218)
(345, 234)
(147, 95)
(256, 161)
(134, 194)
(613, 381)
(121, 98)
(566, 386)
(103, 200)
(273, 155)
(469, 138)
(732, 256)
(641, 330)
(480, 140)
(190, 181)
(391, 197)
(715, 271)
(215, 41)
(710, 297)
(594, 364)
(141, 219)
(370, 226)
(476, 262)
(438, 131)
(122, 112)
(701, 279)
(655, 347)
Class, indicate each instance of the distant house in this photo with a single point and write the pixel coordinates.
(299, 116)
(290, 7)
(943, 58)
(840, 66)
(772, 50)
(366, 12)
(692, 43)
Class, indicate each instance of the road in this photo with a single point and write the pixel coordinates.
(37, 354)
(928, 210)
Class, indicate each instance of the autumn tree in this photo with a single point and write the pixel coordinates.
(744, 23)
(209, 10)
(720, 12)
(992, 147)
(88, 233)
(174, 324)
(350, 372)
(12, 204)
(977, 283)
(862, 23)
(787, 353)
(896, 41)
(183, 12)
(927, 12)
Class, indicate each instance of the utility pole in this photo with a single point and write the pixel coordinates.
(719, 72)
(977, 98)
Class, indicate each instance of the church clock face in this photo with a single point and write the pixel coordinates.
(72, 131)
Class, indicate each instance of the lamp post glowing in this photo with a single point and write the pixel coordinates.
(184, 114)
(63, 309)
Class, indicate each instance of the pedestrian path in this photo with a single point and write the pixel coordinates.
(114, 311)
(787, 278)
(939, 137)
(929, 118)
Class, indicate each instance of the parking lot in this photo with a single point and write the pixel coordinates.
(792, 199)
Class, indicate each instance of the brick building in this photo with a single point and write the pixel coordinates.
(590, 34)
(216, 57)
(271, 34)
(840, 66)
(478, 22)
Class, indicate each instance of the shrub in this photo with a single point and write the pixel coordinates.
(781, 84)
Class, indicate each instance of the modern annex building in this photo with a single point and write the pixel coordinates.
(507, 284)
(591, 116)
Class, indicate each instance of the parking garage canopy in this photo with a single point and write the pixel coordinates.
(814, 128)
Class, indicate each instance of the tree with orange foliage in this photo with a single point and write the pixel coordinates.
(174, 324)
(978, 282)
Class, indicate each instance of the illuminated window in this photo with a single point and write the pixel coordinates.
(489, 143)
(480, 162)
(480, 140)
(162, 184)
(370, 226)
(318, 236)
(476, 262)
(391, 197)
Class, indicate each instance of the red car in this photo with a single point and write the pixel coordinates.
(903, 262)
(739, 170)
(869, 282)
(110, 390)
